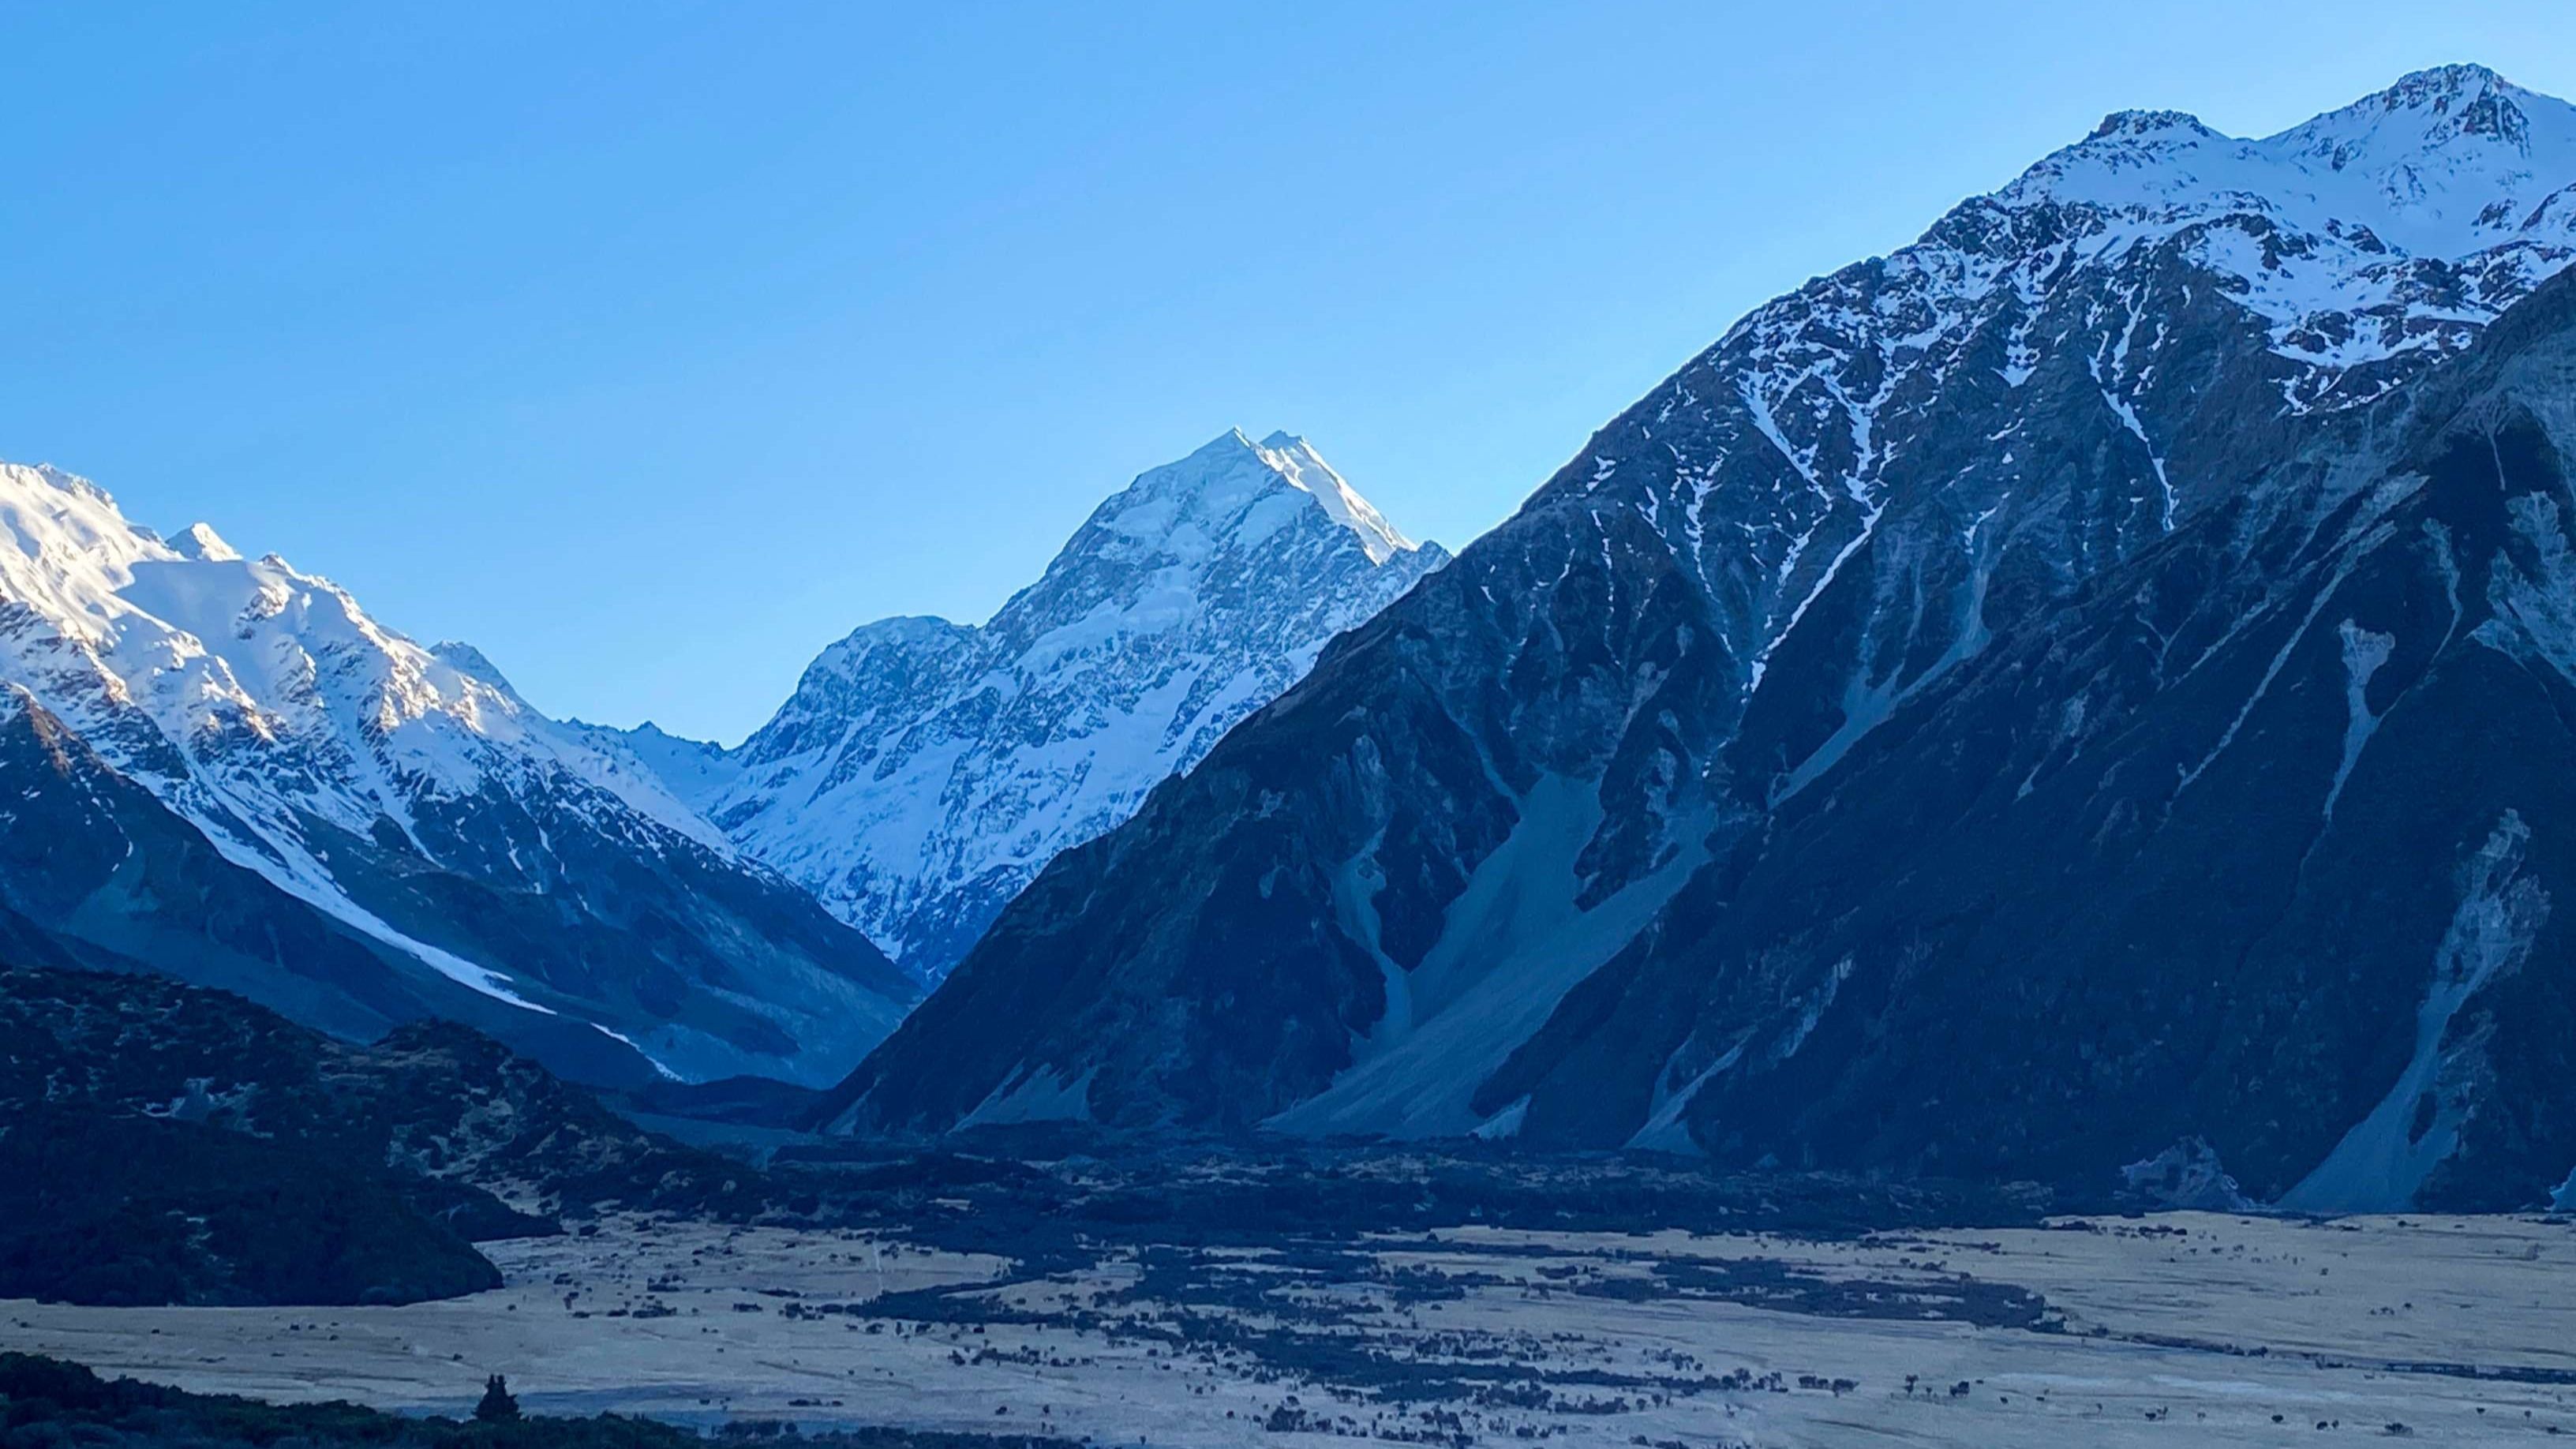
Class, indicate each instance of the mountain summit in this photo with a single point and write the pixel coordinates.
(924, 771)
(1295, 460)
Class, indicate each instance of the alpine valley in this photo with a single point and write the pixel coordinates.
(2084, 699)
(1991, 863)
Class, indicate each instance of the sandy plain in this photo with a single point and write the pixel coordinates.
(2184, 1329)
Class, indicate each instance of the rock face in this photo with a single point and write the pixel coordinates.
(2262, 840)
(1632, 825)
(224, 769)
(923, 771)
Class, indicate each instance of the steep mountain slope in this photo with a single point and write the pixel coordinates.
(96, 871)
(923, 771)
(1373, 891)
(2261, 845)
(179, 721)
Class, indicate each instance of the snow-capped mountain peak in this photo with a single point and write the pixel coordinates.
(924, 771)
(2457, 157)
(1236, 488)
(218, 650)
(472, 663)
(1304, 468)
(2149, 123)
(343, 763)
(2442, 164)
(2441, 105)
(200, 541)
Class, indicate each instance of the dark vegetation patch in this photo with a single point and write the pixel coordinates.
(161, 1143)
(45, 1403)
(132, 1210)
(1768, 1283)
(432, 1102)
(1089, 1194)
(1349, 1323)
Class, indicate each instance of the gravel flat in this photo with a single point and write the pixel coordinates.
(2185, 1329)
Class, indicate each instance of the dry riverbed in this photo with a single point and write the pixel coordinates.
(2182, 1329)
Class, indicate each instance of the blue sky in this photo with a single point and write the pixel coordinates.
(653, 346)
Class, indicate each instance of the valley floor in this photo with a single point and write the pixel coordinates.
(2183, 1329)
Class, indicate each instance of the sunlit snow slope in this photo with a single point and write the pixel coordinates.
(406, 794)
(924, 771)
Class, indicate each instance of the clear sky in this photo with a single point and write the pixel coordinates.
(653, 346)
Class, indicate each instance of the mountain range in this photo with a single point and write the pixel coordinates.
(2083, 699)
(228, 771)
(2070, 700)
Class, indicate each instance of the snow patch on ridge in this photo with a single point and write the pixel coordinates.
(2535, 607)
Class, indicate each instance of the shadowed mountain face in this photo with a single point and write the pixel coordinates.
(224, 769)
(96, 871)
(164, 1144)
(2261, 841)
(1705, 651)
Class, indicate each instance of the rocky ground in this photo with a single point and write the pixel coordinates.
(2170, 1330)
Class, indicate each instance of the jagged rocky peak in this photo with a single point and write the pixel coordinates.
(2442, 164)
(2460, 101)
(400, 809)
(2149, 123)
(923, 771)
(2459, 152)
